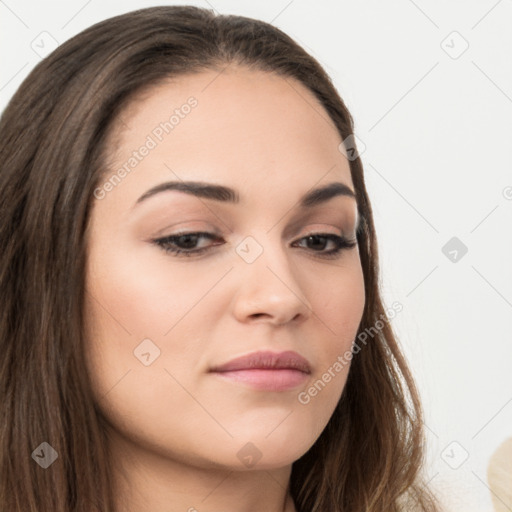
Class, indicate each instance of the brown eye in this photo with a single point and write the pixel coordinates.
(184, 243)
(340, 243)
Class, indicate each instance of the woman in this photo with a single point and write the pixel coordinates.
(189, 280)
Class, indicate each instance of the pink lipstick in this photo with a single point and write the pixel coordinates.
(267, 371)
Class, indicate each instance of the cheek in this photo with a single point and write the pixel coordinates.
(129, 308)
(339, 308)
(141, 291)
(140, 308)
(340, 303)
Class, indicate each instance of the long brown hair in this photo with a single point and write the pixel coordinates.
(52, 157)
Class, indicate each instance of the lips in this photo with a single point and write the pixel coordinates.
(266, 360)
(266, 371)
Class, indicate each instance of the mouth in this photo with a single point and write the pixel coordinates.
(266, 380)
(266, 371)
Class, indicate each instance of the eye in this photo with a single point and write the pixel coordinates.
(340, 243)
(187, 241)
(185, 244)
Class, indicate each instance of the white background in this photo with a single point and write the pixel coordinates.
(435, 127)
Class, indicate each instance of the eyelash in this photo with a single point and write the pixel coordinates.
(341, 243)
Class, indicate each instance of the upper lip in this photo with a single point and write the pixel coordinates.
(266, 360)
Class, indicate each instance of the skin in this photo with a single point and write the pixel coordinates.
(175, 428)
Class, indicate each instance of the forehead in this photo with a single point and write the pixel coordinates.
(251, 130)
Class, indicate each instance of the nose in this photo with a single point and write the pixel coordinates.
(269, 290)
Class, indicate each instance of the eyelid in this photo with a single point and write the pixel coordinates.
(297, 231)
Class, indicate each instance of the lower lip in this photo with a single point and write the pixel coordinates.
(267, 380)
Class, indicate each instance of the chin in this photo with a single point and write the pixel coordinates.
(270, 453)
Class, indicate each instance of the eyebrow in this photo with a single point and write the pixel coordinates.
(225, 194)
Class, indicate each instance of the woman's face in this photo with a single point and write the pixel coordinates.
(159, 321)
